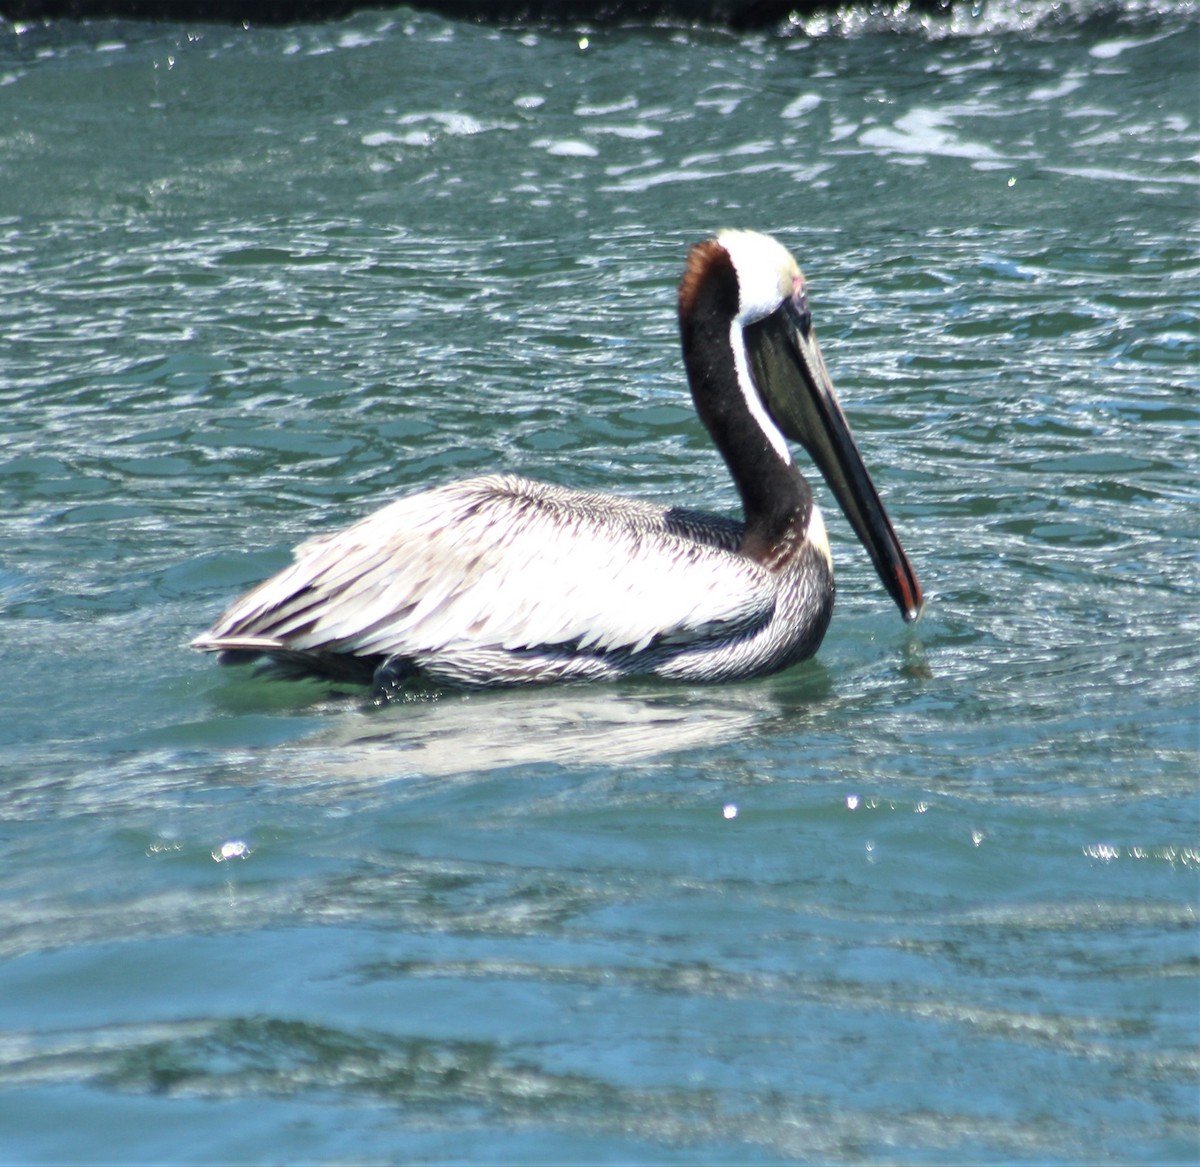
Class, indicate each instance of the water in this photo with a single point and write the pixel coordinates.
(929, 897)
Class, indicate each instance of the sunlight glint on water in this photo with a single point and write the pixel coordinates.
(930, 896)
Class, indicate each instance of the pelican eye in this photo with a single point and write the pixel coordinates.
(796, 306)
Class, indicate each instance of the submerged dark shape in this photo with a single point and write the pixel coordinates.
(503, 581)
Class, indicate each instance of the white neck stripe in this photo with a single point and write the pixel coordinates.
(750, 393)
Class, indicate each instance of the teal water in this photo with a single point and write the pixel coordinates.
(930, 897)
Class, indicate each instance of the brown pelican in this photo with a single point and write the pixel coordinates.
(500, 580)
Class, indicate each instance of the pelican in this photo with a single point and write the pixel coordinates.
(500, 580)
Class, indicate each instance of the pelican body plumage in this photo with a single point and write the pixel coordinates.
(501, 580)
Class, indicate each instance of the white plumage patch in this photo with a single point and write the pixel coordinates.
(818, 536)
(765, 270)
(754, 402)
(500, 563)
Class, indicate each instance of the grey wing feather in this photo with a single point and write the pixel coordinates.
(506, 563)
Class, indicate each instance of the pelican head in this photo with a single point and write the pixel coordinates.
(751, 284)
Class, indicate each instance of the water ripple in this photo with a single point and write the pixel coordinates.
(252, 288)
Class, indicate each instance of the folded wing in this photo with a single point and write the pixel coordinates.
(505, 563)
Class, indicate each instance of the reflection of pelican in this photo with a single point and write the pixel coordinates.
(470, 734)
(500, 580)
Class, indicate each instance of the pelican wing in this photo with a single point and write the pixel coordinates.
(505, 563)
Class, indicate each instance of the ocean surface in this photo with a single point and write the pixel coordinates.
(930, 897)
